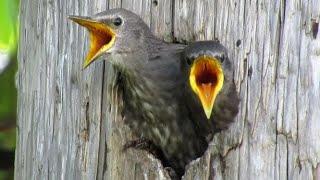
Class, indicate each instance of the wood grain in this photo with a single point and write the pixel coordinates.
(69, 120)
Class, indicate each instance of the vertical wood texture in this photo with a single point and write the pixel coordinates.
(69, 125)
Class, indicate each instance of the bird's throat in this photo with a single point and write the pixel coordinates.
(102, 37)
(206, 80)
(101, 40)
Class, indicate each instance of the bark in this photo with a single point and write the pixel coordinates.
(69, 120)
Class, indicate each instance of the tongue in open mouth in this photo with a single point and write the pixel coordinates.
(206, 80)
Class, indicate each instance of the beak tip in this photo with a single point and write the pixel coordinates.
(208, 113)
(78, 19)
(71, 17)
(85, 65)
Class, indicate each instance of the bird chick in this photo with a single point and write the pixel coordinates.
(210, 87)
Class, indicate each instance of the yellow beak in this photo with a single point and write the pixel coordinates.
(206, 80)
(102, 37)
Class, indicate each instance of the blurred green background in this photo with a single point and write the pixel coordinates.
(9, 10)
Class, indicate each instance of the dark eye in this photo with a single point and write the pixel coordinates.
(189, 60)
(222, 58)
(117, 21)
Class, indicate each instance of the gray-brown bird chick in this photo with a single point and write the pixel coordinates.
(154, 84)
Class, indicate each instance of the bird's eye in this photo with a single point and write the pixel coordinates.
(189, 60)
(117, 21)
(222, 58)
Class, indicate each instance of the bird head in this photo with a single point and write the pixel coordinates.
(115, 30)
(208, 69)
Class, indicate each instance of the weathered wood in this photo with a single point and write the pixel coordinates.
(69, 120)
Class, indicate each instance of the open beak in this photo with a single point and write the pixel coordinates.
(102, 37)
(206, 80)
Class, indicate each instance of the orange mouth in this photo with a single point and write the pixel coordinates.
(102, 37)
(206, 80)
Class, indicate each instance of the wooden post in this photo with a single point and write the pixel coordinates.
(69, 120)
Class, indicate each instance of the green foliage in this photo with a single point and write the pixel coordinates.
(8, 95)
(8, 24)
(8, 139)
(8, 104)
(8, 44)
(5, 175)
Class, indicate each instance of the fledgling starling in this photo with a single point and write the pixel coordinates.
(155, 84)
